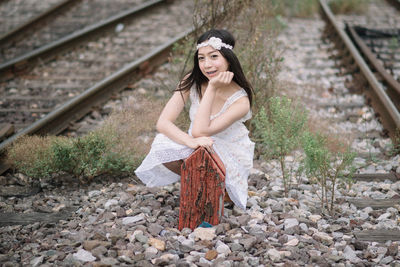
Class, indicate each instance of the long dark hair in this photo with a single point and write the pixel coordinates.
(195, 76)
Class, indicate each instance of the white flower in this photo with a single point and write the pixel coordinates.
(215, 42)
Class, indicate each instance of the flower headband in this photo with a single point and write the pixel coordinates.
(215, 42)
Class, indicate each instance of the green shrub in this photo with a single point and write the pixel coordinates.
(114, 148)
(63, 157)
(32, 156)
(325, 167)
(279, 132)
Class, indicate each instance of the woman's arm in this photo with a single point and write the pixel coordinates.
(170, 113)
(166, 126)
(202, 125)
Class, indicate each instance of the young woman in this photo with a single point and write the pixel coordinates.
(221, 99)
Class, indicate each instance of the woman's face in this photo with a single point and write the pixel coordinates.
(211, 61)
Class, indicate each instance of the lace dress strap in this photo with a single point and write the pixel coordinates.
(193, 94)
(235, 96)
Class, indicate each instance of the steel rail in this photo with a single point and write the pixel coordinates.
(75, 36)
(381, 101)
(34, 19)
(59, 119)
(395, 3)
(395, 85)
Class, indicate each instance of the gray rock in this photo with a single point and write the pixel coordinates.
(384, 216)
(188, 231)
(278, 207)
(248, 242)
(243, 219)
(36, 261)
(150, 253)
(110, 203)
(235, 247)
(364, 215)
(323, 237)
(132, 219)
(393, 249)
(222, 248)
(337, 235)
(186, 245)
(203, 234)
(117, 234)
(349, 254)
(274, 255)
(165, 259)
(83, 255)
(290, 222)
(99, 251)
(141, 238)
(303, 227)
(238, 211)
(107, 261)
(94, 193)
(155, 229)
(233, 222)
(125, 259)
(386, 260)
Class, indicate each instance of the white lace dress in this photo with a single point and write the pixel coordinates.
(232, 145)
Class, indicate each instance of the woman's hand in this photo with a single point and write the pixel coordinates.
(222, 79)
(203, 141)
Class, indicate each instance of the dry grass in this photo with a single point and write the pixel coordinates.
(349, 6)
(117, 147)
(335, 142)
(32, 155)
(134, 124)
(296, 8)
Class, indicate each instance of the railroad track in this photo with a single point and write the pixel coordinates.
(36, 100)
(383, 93)
(60, 19)
(15, 16)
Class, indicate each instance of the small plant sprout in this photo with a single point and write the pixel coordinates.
(279, 132)
(325, 166)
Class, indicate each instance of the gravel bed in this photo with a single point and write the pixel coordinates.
(119, 222)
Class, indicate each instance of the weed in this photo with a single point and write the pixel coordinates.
(325, 166)
(32, 156)
(115, 148)
(280, 131)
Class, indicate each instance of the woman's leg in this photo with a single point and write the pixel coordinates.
(174, 166)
